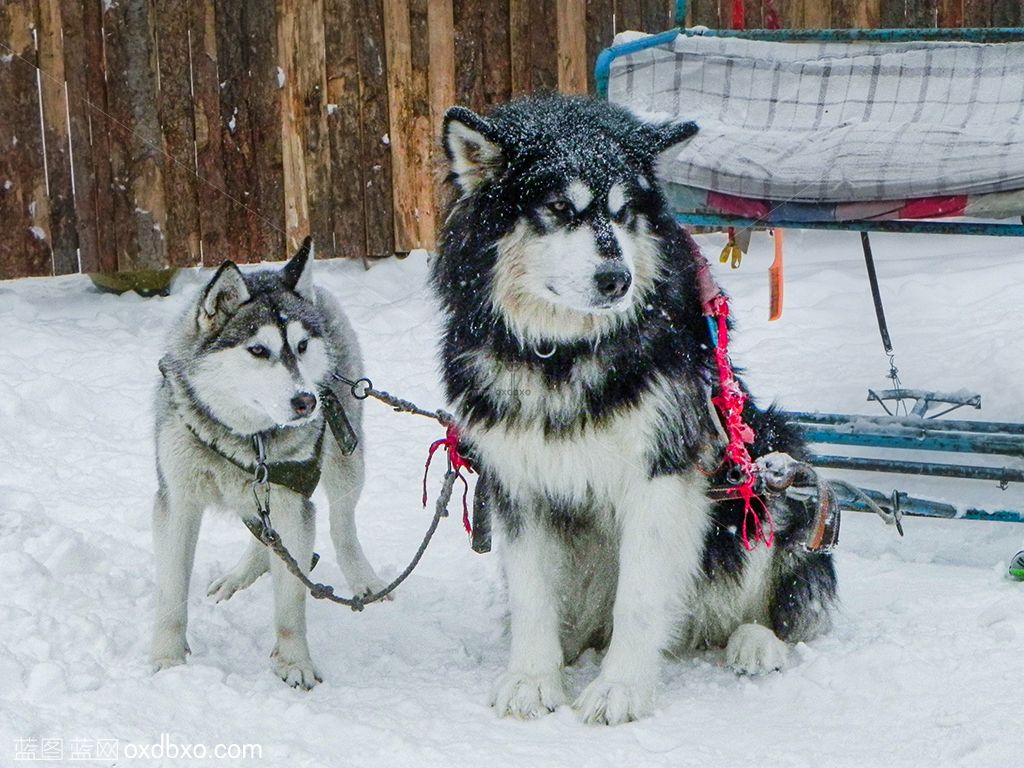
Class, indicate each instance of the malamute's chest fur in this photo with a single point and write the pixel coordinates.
(544, 440)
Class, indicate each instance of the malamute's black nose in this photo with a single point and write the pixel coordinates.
(613, 282)
(303, 404)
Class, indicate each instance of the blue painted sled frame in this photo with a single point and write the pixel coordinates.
(827, 428)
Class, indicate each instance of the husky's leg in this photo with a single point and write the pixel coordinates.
(175, 530)
(253, 564)
(662, 528)
(532, 686)
(343, 481)
(294, 521)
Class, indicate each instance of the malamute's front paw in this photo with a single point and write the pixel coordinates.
(298, 673)
(755, 650)
(526, 696)
(605, 702)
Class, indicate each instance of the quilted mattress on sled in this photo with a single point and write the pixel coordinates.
(830, 125)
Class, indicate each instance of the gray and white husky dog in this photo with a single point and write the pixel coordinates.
(250, 357)
(576, 354)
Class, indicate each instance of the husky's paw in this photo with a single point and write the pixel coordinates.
(606, 702)
(365, 582)
(526, 696)
(233, 581)
(298, 673)
(755, 650)
(163, 657)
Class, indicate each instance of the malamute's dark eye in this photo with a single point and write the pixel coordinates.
(258, 350)
(560, 208)
(301, 346)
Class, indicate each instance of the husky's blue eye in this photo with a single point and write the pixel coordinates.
(258, 350)
(301, 346)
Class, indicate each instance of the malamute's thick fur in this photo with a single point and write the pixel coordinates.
(578, 359)
(250, 356)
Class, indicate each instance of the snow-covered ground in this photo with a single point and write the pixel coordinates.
(923, 668)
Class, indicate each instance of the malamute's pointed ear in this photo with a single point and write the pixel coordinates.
(222, 298)
(667, 135)
(297, 274)
(473, 154)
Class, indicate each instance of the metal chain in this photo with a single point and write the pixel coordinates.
(261, 528)
(363, 388)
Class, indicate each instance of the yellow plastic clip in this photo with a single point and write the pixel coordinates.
(732, 252)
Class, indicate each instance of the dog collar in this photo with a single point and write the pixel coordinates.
(302, 477)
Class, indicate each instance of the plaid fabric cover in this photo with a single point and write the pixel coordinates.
(828, 122)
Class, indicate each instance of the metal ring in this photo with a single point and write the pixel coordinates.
(545, 355)
(262, 474)
(366, 385)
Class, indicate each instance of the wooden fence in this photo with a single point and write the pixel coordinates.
(145, 133)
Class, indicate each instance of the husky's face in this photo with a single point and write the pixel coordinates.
(263, 355)
(577, 254)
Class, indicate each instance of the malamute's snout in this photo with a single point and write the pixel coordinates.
(613, 281)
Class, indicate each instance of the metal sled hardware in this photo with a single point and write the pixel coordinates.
(916, 433)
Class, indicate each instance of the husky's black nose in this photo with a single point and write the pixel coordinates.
(613, 282)
(303, 404)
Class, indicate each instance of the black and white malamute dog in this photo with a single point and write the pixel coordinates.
(578, 359)
(251, 356)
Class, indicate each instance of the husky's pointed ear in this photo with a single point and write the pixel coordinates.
(297, 274)
(223, 296)
(667, 135)
(472, 152)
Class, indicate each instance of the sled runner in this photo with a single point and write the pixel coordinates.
(894, 130)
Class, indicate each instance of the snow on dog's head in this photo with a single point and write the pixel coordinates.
(558, 195)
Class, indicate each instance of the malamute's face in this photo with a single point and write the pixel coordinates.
(262, 353)
(577, 254)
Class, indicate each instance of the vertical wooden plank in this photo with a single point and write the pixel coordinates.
(977, 13)
(24, 206)
(844, 13)
(76, 63)
(922, 13)
(951, 13)
(893, 13)
(140, 216)
(63, 235)
(496, 52)
(629, 15)
(311, 87)
(344, 126)
(441, 42)
(1007, 13)
(376, 155)
(659, 15)
(251, 128)
(409, 128)
(100, 127)
(816, 14)
(753, 13)
(704, 13)
(519, 45)
(869, 14)
(422, 134)
(290, 52)
(543, 41)
(174, 102)
(572, 46)
(599, 33)
(210, 189)
(469, 66)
